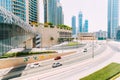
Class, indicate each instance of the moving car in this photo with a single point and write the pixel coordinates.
(57, 58)
(56, 64)
(34, 65)
(85, 50)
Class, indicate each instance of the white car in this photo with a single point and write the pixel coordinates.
(34, 65)
(56, 64)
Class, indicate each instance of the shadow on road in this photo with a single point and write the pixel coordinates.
(15, 72)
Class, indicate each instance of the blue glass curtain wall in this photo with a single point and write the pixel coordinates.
(11, 36)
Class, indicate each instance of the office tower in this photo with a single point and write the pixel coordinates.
(113, 18)
(31, 11)
(63, 18)
(18, 7)
(59, 14)
(53, 12)
(73, 25)
(80, 20)
(85, 28)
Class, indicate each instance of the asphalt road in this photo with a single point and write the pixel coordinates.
(67, 61)
(76, 70)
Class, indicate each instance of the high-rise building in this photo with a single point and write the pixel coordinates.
(15, 6)
(32, 10)
(59, 13)
(85, 28)
(53, 12)
(25, 9)
(113, 18)
(80, 20)
(73, 25)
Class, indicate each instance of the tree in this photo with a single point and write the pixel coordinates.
(51, 38)
(62, 26)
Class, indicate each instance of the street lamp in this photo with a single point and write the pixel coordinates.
(93, 47)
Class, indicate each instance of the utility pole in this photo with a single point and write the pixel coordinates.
(93, 46)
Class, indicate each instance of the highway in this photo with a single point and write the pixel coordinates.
(80, 69)
(67, 61)
(75, 65)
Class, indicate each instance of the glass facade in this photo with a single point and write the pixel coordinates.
(33, 11)
(113, 18)
(73, 25)
(86, 26)
(53, 12)
(13, 31)
(45, 10)
(6, 4)
(118, 35)
(18, 7)
(80, 20)
(59, 14)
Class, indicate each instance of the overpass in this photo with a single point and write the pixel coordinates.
(14, 32)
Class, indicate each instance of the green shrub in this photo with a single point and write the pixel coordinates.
(18, 54)
(3, 57)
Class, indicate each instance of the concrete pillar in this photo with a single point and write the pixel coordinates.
(29, 44)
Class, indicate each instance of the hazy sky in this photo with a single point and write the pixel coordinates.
(93, 10)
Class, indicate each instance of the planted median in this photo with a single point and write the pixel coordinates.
(104, 74)
(20, 54)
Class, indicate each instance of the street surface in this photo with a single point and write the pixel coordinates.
(75, 66)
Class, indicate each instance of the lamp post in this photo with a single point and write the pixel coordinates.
(93, 47)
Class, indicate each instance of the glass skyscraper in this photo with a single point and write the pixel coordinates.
(73, 25)
(17, 7)
(33, 11)
(80, 20)
(53, 12)
(113, 18)
(59, 14)
(85, 26)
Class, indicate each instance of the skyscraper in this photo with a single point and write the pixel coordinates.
(80, 20)
(59, 13)
(73, 25)
(85, 29)
(113, 18)
(32, 10)
(25, 9)
(53, 12)
(15, 6)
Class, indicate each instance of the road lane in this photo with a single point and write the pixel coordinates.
(64, 72)
(64, 63)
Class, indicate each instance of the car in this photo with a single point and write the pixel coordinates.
(57, 58)
(56, 64)
(34, 65)
(85, 50)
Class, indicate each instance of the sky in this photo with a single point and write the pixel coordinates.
(93, 10)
